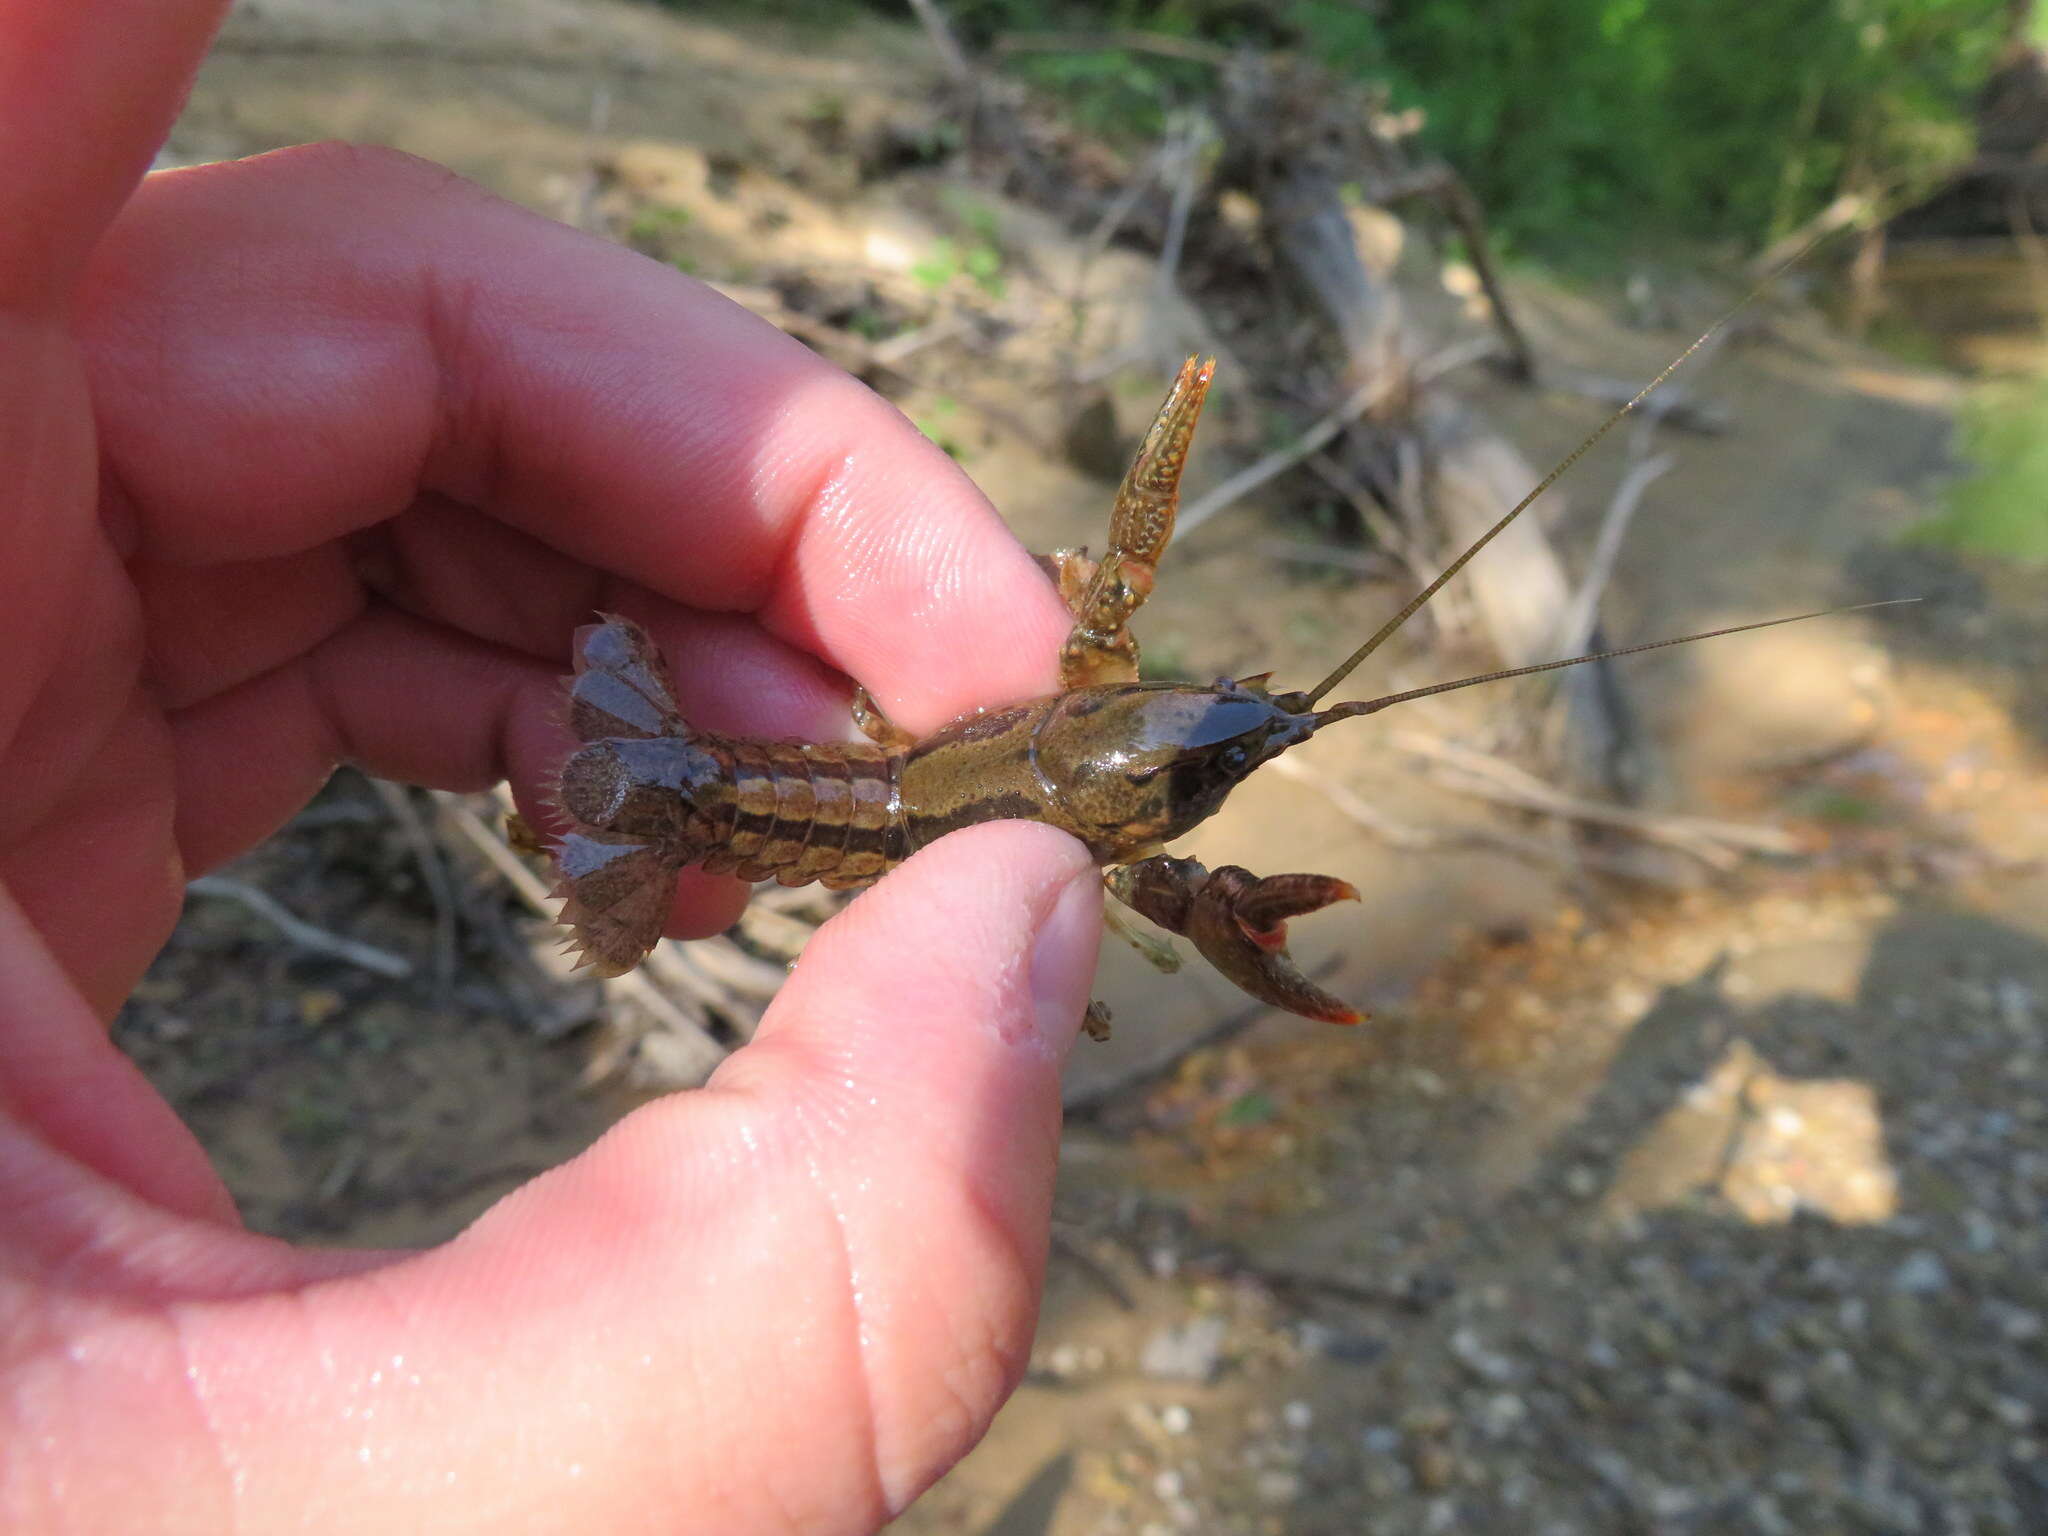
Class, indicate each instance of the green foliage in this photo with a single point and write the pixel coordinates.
(1253, 1108)
(937, 424)
(656, 223)
(2001, 507)
(1583, 120)
(976, 252)
(1692, 117)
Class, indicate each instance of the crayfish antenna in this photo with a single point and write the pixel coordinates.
(1336, 712)
(1414, 604)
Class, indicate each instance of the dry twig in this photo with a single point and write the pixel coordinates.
(1583, 612)
(1362, 399)
(1399, 834)
(434, 871)
(1716, 843)
(695, 1040)
(307, 936)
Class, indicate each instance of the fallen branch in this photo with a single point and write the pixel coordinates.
(434, 871)
(1128, 40)
(1713, 842)
(696, 1043)
(1393, 536)
(1362, 399)
(1336, 557)
(940, 34)
(1412, 839)
(1849, 208)
(1582, 614)
(1444, 187)
(1182, 170)
(1666, 405)
(305, 935)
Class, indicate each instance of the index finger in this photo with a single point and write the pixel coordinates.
(292, 349)
(85, 96)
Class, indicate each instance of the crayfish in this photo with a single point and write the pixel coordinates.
(1124, 765)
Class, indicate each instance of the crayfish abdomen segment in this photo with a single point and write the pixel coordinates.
(804, 811)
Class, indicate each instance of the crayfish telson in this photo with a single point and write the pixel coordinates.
(1125, 766)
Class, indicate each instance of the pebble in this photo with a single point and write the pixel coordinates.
(1432, 1465)
(1483, 1362)
(1189, 1351)
(1921, 1274)
(1336, 1345)
(1298, 1416)
(1278, 1487)
(2013, 1413)
(1502, 1414)
(1175, 1419)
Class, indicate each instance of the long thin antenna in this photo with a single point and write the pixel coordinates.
(1374, 706)
(1486, 538)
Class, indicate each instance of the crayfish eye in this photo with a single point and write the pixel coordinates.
(1234, 759)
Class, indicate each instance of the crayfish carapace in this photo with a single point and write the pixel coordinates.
(1125, 766)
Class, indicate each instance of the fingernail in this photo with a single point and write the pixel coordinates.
(1063, 959)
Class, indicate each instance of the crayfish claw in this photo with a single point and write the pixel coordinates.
(1263, 907)
(1237, 921)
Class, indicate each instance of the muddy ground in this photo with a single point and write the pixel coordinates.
(1710, 1209)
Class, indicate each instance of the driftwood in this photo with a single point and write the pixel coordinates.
(1289, 143)
(1425, 455)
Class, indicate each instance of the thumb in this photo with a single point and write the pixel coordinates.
(980, 948)
(799, 1295)
(912, 1064)
(851, 1218)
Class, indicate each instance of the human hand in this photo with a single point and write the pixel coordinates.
(325, 455)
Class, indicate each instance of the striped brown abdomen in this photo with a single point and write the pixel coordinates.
(795, 812)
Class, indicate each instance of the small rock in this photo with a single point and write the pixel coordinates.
(1766, 1518)
(1501, 1414)
(1336, 1345)
(1381, 1439)
(2018, 1324)
(1190, 1351)
(1298, 1416)
(1432, 1465)
(1175, 1419)
(1167, 1485)
(1483, 1362)
(2015, 1004)
(1922, 1274)
(1278, 1487)
(1673, 1503)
